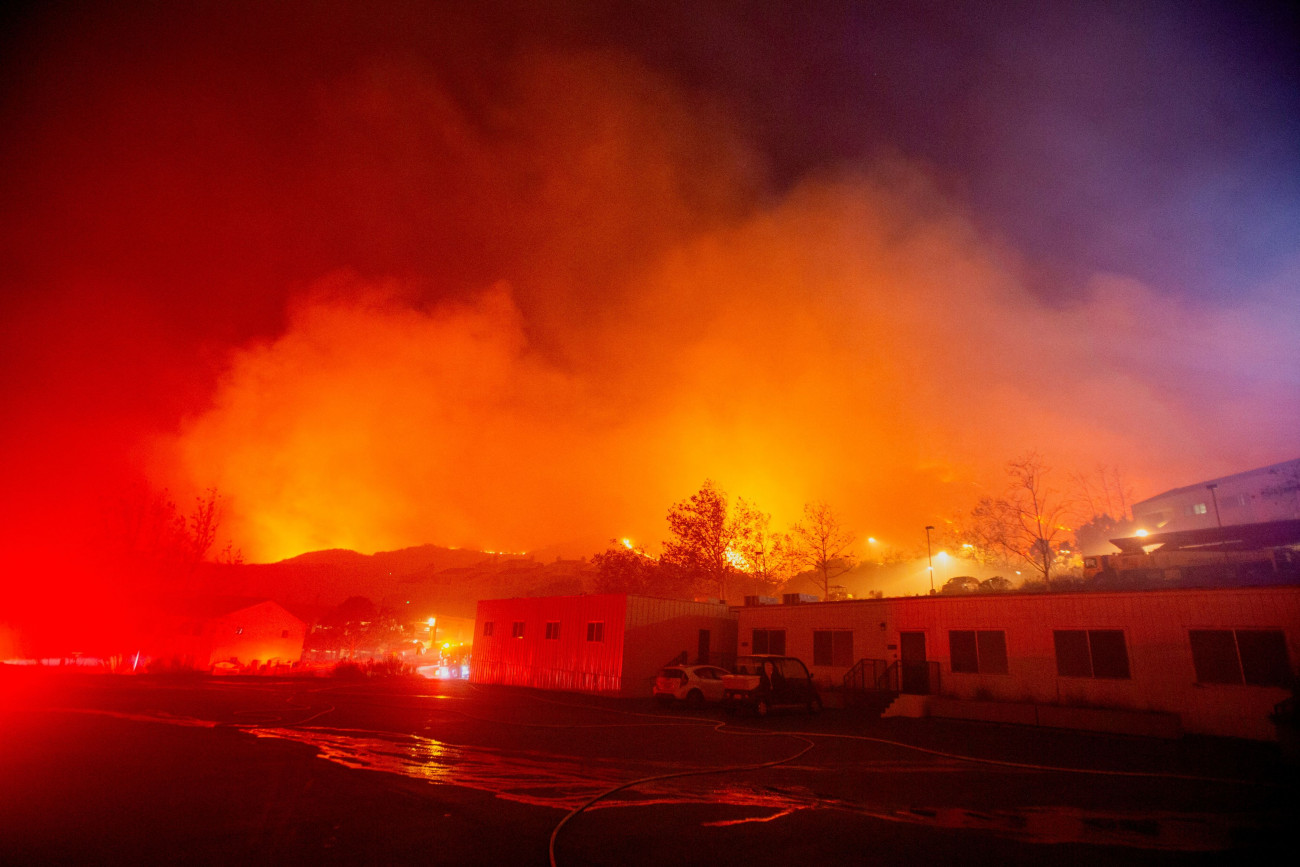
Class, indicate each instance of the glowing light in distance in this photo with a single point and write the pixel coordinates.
(1141, 533)
(738, 560)
(627, 543)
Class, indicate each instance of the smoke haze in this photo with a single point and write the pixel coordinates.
(518, 280)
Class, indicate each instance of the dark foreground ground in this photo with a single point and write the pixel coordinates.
(114, 770)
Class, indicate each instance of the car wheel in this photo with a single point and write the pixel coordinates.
(815, 705)
(695, 698)
(761, 708)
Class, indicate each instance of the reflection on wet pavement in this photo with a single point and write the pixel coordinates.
(538, 779)
(565, 782)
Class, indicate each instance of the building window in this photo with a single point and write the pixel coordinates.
(1091, 653)
(982, 651)
(284, 633)
(1256, 657)
(1196, 509)
(552, 630)
(833, 647)
(517, 629)
(239, 630)
(768, 641)
(487, 628)
(596, 630)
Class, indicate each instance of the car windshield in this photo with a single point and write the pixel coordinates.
(792, 668)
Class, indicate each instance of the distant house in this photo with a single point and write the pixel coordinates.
(200, 632)
(1269, 493)
(604, 643)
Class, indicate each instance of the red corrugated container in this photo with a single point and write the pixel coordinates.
(607, 643)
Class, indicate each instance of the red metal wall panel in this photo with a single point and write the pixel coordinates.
(565, 661)
(637, 635)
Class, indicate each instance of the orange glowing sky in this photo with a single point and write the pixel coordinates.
(523, 282)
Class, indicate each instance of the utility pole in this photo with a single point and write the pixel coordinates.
(928, 557)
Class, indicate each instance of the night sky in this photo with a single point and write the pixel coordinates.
(517, 275)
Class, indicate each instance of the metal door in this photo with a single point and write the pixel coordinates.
(914, 670)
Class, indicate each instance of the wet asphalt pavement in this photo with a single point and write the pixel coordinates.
(112, 770)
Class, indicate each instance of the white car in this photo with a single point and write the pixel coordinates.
(693, 684)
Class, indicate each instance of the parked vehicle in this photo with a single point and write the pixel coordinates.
(693, 684)
(763, 682)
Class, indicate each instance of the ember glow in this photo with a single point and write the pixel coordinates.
(521, 284)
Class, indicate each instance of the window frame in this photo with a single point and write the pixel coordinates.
(1257, 667)
(517, 628)
(834, 653)
(596, 631)
(985, 652)
(1095, 641)
(552, 630)
(768, 634)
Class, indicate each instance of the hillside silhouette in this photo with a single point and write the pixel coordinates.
(428, 578)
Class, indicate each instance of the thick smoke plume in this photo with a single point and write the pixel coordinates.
(858, 341)
(524, 280)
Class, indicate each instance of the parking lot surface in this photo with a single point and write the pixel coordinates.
(212, 771)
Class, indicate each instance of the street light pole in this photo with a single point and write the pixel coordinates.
(1218, 520)
(928, 557)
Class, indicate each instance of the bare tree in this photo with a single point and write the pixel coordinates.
(1039, 515)
(1103, 492)
(764, 554)
(821, 543)
(1028, 524)
(985, 536)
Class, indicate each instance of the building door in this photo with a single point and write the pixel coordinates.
(703, 656)
(913, 669)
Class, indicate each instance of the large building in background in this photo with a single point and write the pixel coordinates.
(602, 643)
(1256, 496)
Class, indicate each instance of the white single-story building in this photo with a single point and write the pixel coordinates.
(1211, 661)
